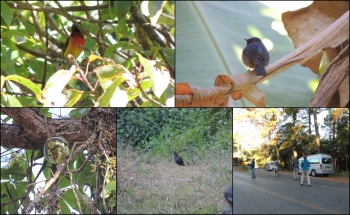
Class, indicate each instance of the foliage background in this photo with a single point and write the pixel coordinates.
(27, 63)
(284, 133)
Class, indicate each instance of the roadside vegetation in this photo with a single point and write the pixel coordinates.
(270, 134)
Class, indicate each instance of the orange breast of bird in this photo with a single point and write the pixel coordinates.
(72, 48)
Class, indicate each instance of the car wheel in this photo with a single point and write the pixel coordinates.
(313, 173)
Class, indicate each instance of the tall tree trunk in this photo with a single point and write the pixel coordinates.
(338, 164)
(277, 152)
(309, 134)
(295, 142)
(333, 136)
(295, 154)
(316, 130)
(335, 163)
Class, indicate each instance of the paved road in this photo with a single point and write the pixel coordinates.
(266, 194)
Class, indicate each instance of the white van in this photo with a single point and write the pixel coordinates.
(269, 166)
(319, 164)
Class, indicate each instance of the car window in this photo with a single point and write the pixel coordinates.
(271, 164)
(314, 161)
(327, 160)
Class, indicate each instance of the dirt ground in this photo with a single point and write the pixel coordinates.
(329, 177)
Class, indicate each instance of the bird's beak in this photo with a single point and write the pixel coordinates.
(246, 39)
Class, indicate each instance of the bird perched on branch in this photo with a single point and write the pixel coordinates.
(178, 159)
(256, 56)
(72, 47)
(56, 150)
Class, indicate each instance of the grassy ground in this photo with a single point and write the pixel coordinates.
(242, 168)
(157, 185)
(342, 174)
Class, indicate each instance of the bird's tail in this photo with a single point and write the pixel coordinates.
(260, 69)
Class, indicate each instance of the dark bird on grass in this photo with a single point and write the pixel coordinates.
(228, 196)
(178, 159)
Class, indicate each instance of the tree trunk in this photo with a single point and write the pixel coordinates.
(316, 130)
(309, 134)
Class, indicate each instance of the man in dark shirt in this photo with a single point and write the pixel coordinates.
(252, 165)
(295, 168)
(276, 168)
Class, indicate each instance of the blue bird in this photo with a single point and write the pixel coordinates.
(255, 55)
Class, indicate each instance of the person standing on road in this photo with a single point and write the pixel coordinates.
(252, 165)
(305, 165)
(295, 168)
(277, 167)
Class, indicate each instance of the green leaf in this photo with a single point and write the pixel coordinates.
(160, 78)
(9, 101)
(54, 86)
(106, 97)
(122, 8)
(28, 83)
(6, 13)
(107, 72)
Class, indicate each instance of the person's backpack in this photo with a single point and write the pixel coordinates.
(302, 164)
